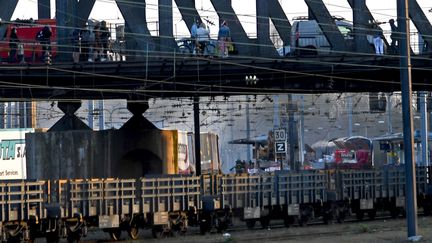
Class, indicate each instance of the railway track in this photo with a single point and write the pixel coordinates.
(275, 232)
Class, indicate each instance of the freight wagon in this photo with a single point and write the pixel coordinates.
(169, 204)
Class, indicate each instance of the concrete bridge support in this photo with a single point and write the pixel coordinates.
(138, 121)
(69, 121)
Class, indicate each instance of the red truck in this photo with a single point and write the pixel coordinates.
(26, 32)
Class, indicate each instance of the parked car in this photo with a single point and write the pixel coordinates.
(307, 38)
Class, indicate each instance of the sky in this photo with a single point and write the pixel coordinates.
(383, 10)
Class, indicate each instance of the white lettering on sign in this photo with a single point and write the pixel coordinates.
(280, 147)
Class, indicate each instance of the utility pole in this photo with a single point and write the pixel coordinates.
(405, 76)
(424, 128)
(197, 135)
(301, 135)
(350, 116)
(101, 115)
(389, 113)
(291, 139)
(90, 114)
(248, 156)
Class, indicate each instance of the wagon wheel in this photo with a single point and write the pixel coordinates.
(288, 221)
(52, 237)
(265, 222)
(303, 220)
(372, 214)
(115, 234)
(74, 237)
(133, 232)
(183, 226)
(158, 232)
(205, 227)
(394, 212)
(340, 217)
(359, 214)
(250, 223)
(221, 225)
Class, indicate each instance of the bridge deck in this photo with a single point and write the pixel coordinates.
(187, 76)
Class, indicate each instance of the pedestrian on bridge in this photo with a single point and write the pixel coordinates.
(377, 37)
(85, 44)
(394, 36)
(224, 38)
(194, 29)
(13, 45)
(44, 38)
(203, 37)
(104, 38)
(97, 47)
(76, 38)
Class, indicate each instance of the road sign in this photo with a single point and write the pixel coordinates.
(280, 147)
(279, 135)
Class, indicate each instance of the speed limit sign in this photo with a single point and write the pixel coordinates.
(279, 135)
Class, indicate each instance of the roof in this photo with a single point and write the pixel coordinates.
(395, 137)
(262, 140)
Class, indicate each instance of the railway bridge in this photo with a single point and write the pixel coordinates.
(156, 68)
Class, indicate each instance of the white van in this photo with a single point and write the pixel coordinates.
(307, 38)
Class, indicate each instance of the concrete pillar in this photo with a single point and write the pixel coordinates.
(69, 121)
(138, 121)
